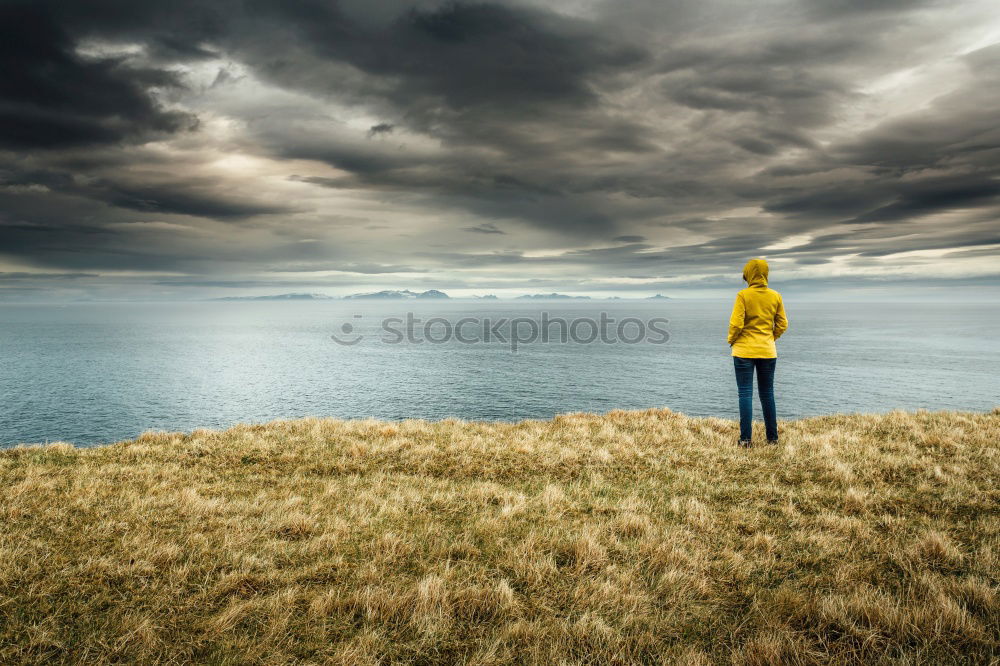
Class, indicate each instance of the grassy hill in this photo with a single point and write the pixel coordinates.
(633, 537)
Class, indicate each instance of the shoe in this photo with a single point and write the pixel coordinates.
(745, 443)
(772, 441)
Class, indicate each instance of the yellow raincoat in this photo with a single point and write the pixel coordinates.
(758, 315)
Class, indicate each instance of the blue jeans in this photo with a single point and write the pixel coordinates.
(765, 389)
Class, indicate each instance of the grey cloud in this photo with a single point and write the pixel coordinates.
(183, 198)
(689, 141)
(23, 276)
(176, 194)
(381, 128)
(485, 228)
(350, 267)
(52, 98)
(933, 195)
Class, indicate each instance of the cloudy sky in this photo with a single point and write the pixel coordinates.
(193, 148)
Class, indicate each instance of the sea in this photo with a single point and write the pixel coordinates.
(94, 373)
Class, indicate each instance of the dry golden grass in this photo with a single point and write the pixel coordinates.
(634, 537)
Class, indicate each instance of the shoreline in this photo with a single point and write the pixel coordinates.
(455, 420)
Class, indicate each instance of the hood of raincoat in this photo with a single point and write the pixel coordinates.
(755, 273)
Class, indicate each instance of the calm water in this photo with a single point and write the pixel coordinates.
(94, 373)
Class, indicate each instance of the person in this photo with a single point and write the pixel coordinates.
(758, 320)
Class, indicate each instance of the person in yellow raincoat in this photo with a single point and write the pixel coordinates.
(758, 320)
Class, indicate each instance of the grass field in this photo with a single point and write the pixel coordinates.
(632, 537)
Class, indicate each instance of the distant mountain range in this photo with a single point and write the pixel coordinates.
(552, 297)
(396, 294)
(278, 297)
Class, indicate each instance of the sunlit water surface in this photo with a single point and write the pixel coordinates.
(94, 373)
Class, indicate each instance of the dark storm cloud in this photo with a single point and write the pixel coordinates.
(462, 182)
(941, 158)
(932, 195)
(176, 196)
(689, 134)
(475, 76)
(381, 128)
(51, 98)
(465, 55)
(485, 228)
(180, 198)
